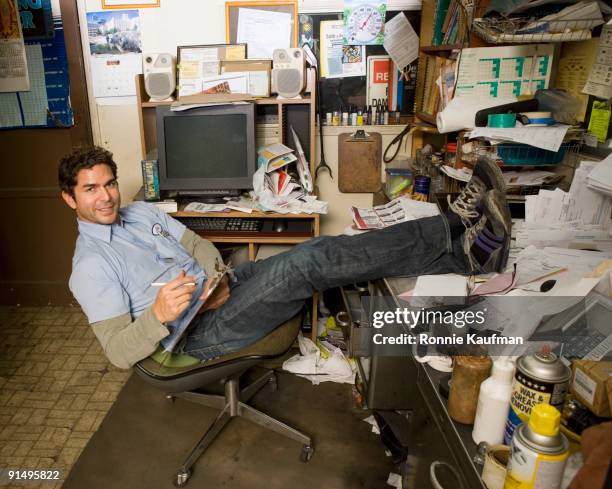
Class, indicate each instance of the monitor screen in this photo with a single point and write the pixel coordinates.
(208, 146)
(204, 149)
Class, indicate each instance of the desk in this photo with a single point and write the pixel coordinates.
(291, 235)
(438, 436)
(401, 383)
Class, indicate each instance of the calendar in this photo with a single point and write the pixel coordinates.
(116, 54)
(113, 76)
(507, 71)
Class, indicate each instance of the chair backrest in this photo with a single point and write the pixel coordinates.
(184, 375)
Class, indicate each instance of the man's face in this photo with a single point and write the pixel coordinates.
(96, 195)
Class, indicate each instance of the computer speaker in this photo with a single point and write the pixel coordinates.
(288, 72)
(159, 75)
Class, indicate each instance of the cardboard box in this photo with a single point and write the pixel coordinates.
(591, 382)
(258, 70)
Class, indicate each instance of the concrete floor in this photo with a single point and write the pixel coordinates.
(145, 437)
(58, 410)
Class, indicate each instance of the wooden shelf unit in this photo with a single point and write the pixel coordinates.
(299, 113)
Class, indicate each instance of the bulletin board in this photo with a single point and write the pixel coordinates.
(231, 16)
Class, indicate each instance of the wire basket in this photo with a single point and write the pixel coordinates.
(532, 24)
(499, 30)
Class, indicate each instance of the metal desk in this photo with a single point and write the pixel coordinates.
(435, 437)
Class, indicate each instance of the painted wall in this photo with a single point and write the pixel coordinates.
(187, 22)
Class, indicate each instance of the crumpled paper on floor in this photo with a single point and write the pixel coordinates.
(328, 366)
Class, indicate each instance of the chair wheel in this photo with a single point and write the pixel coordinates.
(273, 383)
(170, 397)
(182, 476)
(306, 454)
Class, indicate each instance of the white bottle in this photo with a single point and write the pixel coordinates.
(493, 403)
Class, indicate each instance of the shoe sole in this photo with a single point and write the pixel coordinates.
(495, 203)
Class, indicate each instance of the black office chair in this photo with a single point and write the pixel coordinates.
(181, 376)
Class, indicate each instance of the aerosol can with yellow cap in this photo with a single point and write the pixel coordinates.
(538, 452)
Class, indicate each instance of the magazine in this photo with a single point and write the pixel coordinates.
(398, 210)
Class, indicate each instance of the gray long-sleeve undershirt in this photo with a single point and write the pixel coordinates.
(126, 341)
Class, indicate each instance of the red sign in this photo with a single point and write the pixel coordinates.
(381, 71)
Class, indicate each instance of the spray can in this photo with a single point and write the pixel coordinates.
(540, 379)
(538, 451)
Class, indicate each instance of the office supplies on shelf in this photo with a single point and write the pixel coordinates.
(460, 113)
(481, 118)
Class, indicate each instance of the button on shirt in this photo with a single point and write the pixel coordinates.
(114, 266)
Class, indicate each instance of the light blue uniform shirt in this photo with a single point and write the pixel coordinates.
(114, 266)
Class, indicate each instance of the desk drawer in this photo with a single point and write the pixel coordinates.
(354, 320)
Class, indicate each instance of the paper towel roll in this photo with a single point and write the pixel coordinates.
(460, 113)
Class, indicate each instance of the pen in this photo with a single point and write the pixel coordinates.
(161, 284)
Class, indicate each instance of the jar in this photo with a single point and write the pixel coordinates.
(468, 373)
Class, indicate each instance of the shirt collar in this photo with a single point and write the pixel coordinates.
(102, 232)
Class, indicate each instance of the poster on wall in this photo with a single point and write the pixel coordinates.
(13, 63)
(36, 19)
(47, 102)
(116, 53)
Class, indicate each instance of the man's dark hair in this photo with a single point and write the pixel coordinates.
(79, 159)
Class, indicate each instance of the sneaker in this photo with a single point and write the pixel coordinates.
(487, 176)
(487, 243)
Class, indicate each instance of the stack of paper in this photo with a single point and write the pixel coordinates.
(600, 177)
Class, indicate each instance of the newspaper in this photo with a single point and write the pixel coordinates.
(398, 210)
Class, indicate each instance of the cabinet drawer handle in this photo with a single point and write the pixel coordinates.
(434, 479)
(342, 319)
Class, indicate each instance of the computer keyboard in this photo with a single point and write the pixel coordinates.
(223, 224)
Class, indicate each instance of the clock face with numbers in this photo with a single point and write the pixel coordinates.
(364, 24)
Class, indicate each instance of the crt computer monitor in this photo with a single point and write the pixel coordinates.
(206, 151)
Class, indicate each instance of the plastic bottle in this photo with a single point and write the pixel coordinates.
(493, 403)
(468, 373)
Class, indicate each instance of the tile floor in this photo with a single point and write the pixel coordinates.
(56, 386)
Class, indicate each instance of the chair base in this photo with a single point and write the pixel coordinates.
(232, 405)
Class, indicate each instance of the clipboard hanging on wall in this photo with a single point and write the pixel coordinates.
(262, 25)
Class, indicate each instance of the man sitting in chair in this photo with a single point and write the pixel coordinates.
(121, 252)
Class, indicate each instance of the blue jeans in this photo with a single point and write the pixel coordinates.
(267, 293)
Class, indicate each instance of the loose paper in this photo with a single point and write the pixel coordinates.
(263, 31)
(548, 138)
(338, 60)
(600, 79)
(401, 41)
